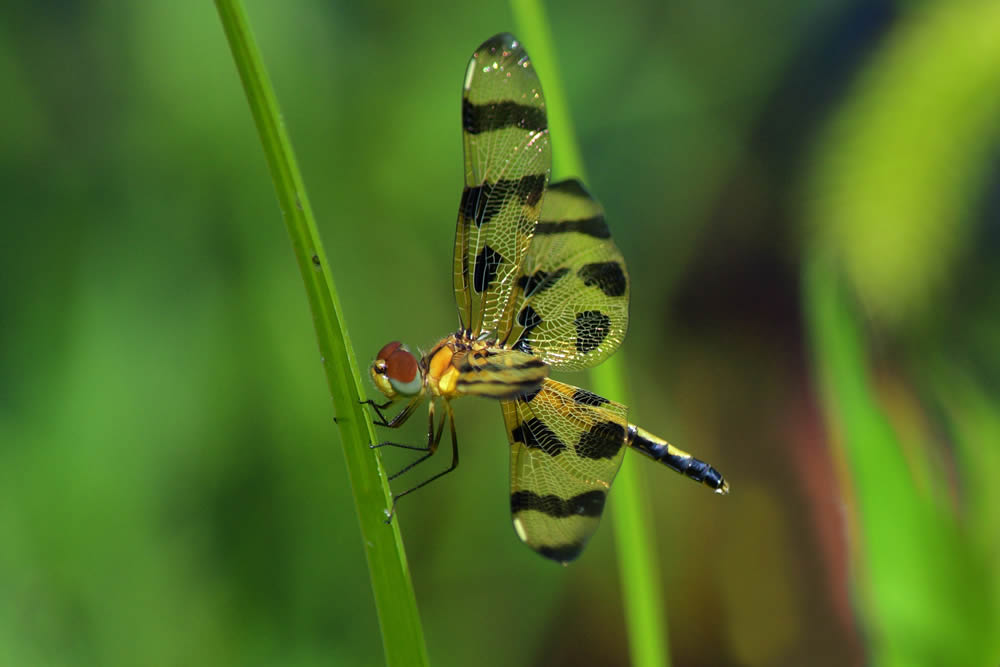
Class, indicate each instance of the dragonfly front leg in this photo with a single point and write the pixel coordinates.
(396, 421)
(430, 447)
(378, 410)
(434, 439)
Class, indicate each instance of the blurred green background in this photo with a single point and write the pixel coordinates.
(172, 489)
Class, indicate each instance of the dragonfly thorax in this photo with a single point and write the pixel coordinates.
(395, 371)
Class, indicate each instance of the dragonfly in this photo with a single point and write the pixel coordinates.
(539, 284)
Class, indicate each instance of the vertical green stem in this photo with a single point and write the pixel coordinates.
(638, 558)
(645, 612)
(402, 634)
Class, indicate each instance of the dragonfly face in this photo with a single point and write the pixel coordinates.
(539, 284)
(396, 372)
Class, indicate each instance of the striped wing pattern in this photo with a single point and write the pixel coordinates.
(566, 447)
(573, 292)
(507, 164)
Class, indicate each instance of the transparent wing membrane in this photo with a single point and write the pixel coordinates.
(507, 163)
(571, 299)
(566, 447)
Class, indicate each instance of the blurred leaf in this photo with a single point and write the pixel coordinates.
(901, 166)
(920, 578)
(975, 421)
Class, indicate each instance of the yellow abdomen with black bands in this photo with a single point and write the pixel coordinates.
(676, 459)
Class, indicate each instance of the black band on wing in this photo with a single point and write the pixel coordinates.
(479, 203)
(596, 227)
(479, 118)
(562, 553)
(536, 435)
(588, 503)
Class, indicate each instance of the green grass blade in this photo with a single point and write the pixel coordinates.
(533, 30)
(402, 634)
(924, 587)
(645, 612)
(638, 557)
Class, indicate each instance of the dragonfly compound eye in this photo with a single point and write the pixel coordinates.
(396, 371)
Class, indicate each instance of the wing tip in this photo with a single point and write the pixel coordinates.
(561, 553)
(499, 41)
(502, 44)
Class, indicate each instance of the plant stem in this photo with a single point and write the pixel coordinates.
(402, 634)
(645, 613)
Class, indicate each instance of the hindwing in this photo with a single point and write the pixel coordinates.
(573, 291)
(566, 447)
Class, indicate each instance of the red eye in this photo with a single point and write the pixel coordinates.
(401, 366)
(386, 351)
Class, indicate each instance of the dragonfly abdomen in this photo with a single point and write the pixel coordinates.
(676, 459)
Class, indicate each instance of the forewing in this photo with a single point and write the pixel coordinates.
(566, 447)
(573, 292)
(507, 163)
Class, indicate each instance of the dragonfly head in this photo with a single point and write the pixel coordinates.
(396, 372)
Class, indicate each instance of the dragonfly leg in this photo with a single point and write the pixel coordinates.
(400, 417)
(377, 408)
(450, 415)
(433, 438)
